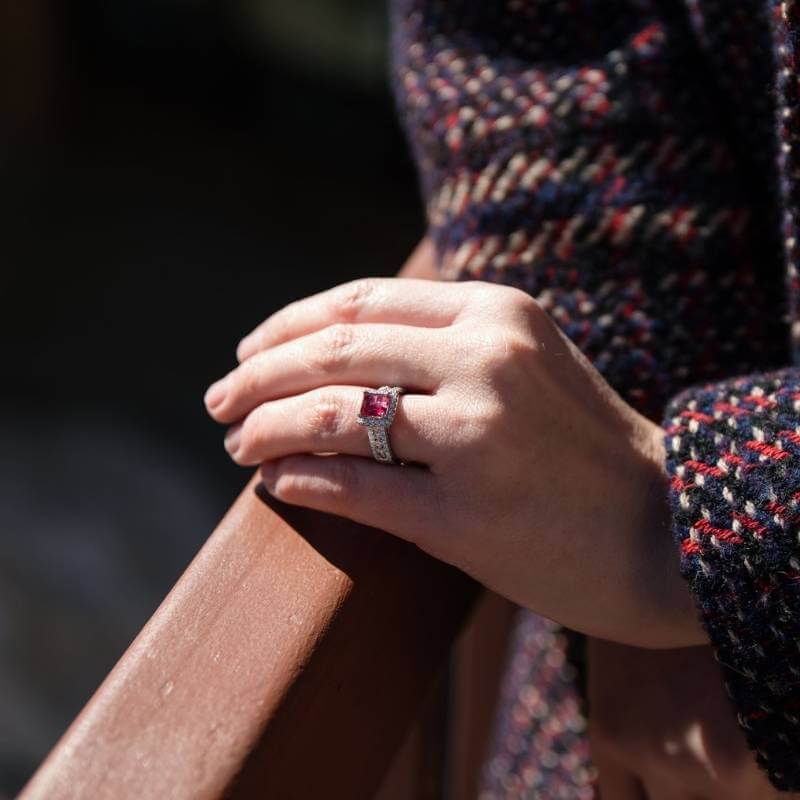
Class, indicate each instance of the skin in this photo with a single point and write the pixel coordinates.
(532, 475)
(529, 472)
(675, 736)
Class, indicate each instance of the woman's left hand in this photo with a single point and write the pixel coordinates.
(527, 470)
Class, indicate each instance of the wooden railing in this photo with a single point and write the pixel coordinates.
(289, 661)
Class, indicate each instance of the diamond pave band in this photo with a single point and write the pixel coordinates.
(377, 414)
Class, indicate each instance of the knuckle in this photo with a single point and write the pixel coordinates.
(343, 486)
(286, 487)
(520, 349)
(489, 415)
(253, 431)
(474, 291)
(513, 308)
(520, 300)
(325, 419)
(533, 322)
(499, 297)
(248, 378)
(352, 298)
(337, 342)
(499, 351)
(336, 486)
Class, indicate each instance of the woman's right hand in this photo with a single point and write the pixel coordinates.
(662, 728)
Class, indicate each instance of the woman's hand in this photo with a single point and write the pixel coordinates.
(529, 472)
(661, 728)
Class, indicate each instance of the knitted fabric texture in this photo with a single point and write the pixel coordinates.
(633, 165)
(734, 457)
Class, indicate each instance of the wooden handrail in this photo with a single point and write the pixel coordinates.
(287, 662)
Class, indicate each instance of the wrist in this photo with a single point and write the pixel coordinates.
(670, 617)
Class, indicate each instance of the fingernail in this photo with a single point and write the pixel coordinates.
(233, 438)
(216, 394)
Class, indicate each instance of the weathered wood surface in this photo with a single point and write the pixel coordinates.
(287, 662)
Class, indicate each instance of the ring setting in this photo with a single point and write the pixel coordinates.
(378, 407)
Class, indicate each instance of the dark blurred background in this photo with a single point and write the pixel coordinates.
(171, 172)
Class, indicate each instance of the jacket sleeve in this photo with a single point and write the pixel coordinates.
(621, 172)
(733, 455)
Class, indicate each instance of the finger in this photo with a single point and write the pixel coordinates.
(400, 500)
(325, 421)
(361, 355)
(401, 301)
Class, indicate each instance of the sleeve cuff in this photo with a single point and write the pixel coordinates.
(733, 457)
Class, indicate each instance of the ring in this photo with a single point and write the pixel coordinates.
(377, 413)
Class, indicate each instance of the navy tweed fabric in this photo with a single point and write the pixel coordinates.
(635, 166)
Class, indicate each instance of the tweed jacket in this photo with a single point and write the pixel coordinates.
(635, 166)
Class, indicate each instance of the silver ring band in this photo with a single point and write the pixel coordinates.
(378, 408)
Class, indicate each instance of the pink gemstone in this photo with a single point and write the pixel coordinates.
(375, 405)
